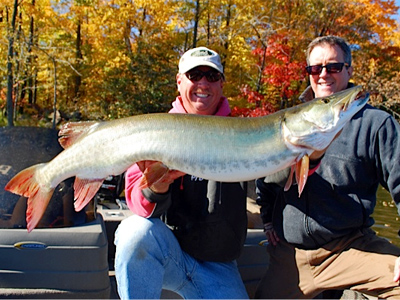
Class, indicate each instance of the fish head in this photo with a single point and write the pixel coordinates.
(313, 125)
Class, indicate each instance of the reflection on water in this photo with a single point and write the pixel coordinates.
(387, 221)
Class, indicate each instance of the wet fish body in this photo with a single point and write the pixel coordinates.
(215, 148)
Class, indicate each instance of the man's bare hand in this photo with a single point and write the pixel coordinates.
(272, 237)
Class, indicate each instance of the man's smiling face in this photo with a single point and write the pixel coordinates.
(200, 97)
(325, 84)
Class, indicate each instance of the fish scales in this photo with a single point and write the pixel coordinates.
(215, 148)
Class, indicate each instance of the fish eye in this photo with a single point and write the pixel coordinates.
(325, 100)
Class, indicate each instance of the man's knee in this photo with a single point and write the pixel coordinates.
(136, 230)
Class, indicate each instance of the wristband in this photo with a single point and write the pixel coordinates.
(268, 226)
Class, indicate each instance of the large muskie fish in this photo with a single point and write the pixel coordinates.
(215, 148)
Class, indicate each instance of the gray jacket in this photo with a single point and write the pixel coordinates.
(341, 195)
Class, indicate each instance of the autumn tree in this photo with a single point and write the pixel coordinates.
(96, 59)
(289, 18)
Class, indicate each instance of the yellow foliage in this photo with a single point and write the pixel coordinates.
(129, 50)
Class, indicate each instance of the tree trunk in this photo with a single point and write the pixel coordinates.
(196, 23)
(10, 77)
(55, 95)
(31, 76)
(78, 77)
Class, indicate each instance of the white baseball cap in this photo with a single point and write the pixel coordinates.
(200, 56)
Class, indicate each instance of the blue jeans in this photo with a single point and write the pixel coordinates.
(149, 259)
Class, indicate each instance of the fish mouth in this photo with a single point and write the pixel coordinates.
(360, 96)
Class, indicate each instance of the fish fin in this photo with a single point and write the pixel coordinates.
(25, 184)
(153, 174)
(289, 180)
(85, 190)
(302, 167)
(73, 131)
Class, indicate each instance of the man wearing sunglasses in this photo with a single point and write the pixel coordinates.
(193, 251)
(322, 240)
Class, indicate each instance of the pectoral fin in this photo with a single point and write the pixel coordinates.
(302, 167)
(289, 180)
(153, 174)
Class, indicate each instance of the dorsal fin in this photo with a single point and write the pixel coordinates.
(73, 131)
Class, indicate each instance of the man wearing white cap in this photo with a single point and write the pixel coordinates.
(193, 250)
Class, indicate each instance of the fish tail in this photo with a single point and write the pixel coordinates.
(26, 184)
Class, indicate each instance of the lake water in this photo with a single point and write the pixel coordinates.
(387, 220)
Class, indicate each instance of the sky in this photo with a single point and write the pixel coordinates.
(398, 13)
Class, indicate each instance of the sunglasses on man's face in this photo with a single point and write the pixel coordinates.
(330, 68)
(197, 75)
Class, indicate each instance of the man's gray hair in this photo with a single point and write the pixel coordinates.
(332, 41)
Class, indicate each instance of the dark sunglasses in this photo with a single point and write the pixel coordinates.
(330, 68)
(197, 75)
